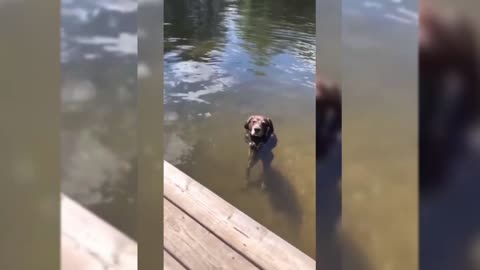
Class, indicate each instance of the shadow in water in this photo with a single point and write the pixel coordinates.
(335, 250)
(118, 204)
(328, 207)
(449, 220)
(282, 195)
(265, 155)
(280, 192)
(352, 257)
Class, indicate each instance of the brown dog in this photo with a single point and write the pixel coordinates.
(449, 92)
(328, 115)
(258, 130)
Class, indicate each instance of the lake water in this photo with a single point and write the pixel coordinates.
(99, 112)
(226, 60)
(379, 176)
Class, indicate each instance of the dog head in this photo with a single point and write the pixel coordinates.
(448, 71)
(327, 90)
(447, 38)
(258, 126)
(328, 106)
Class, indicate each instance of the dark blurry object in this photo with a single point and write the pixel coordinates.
(328, 173)
(449, 94)
(328, 115)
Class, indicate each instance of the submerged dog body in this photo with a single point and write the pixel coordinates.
(449, 89)
(258, 130)
(328, 115)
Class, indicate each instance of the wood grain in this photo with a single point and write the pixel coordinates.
(195, 246)
(246, 236)
(170, 263)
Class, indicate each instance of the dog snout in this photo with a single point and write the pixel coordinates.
(256, 129)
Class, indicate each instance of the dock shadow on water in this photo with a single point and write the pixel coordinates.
(227, 60)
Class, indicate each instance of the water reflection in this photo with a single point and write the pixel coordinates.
(99, 52)
(225, 60)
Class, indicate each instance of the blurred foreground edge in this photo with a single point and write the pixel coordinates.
(448, 91)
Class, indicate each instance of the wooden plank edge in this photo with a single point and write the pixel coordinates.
(244, 234)
(170, 263)
(196, 247)
(90, 243)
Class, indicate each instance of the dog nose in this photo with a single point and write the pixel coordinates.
(256, 129)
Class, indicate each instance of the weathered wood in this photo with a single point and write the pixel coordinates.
(75, 258)
(170, 263)
(195, 246)
(246, 236)
(89, 243)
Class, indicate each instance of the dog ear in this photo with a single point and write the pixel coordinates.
(247, 123)
(270, 125)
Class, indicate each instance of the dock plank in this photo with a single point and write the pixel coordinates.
(89, 243)
(195, 246)
(75, 258)
(241, 232)
(170, 263)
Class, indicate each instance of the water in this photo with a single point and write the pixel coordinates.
(225, 60)
(379, 176)
(381, 213)
(99, 114)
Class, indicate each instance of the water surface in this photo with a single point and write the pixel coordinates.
(379, 176)
(226, 60)
(99, 75)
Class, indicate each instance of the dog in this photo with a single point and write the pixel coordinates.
(258, 131)
(449, 90)
(328, 115)
(448, 102)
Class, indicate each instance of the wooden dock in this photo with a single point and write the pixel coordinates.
(204, 232)
(89, 243)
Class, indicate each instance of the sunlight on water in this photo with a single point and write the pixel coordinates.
(225, 60)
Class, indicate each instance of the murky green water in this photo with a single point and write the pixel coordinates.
(379, 176)
(385, 226)
(225, 60)
(99, 113)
